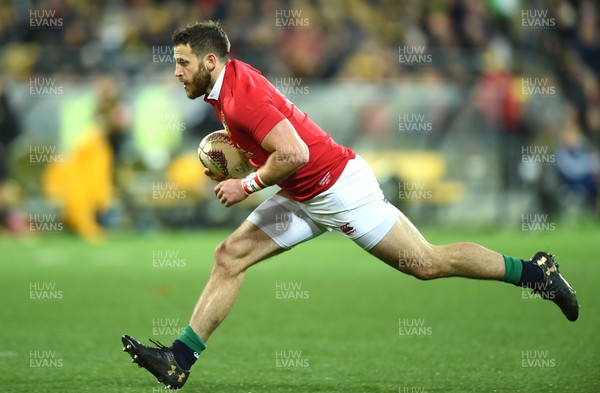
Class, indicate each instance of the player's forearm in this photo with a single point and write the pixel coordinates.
(281, 164)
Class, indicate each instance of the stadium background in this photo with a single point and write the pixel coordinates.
(481, 120)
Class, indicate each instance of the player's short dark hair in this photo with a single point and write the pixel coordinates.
(204, 37)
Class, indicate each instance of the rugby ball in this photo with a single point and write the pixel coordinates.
(218, 153)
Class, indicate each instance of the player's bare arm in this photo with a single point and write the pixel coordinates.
(288, 154)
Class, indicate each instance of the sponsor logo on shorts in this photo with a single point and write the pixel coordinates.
(347, 229)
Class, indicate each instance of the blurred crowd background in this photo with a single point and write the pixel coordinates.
(481, 112)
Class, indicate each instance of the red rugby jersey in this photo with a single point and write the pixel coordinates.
(249, 106)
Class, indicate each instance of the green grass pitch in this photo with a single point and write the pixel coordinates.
(324, 317)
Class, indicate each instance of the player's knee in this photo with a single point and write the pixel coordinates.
(425, 273)
(425, 267)
(227, 263)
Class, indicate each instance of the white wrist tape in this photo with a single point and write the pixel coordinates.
(252, 183)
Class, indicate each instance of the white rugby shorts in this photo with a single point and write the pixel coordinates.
(354, 206)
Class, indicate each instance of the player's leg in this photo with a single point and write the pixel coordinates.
(356, 208)
(405, 249)
(247, 246)
(276, 225)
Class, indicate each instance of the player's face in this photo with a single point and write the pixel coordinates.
(191, 72)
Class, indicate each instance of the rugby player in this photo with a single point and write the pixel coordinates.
(324, 187)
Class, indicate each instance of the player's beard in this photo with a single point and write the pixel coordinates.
(199, 84)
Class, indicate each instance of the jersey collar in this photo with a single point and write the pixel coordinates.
(216, 90)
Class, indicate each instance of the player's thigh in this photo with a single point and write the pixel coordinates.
(405, 249)
(277, 225)
(247, 245)
(284, 221)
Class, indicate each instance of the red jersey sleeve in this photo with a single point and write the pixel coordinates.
(256, 118)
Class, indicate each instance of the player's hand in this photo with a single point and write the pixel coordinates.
(214, 176)
(230, 192)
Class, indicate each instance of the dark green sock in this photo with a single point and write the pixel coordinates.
(189, 337)
(187, 348)
(514, 269)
